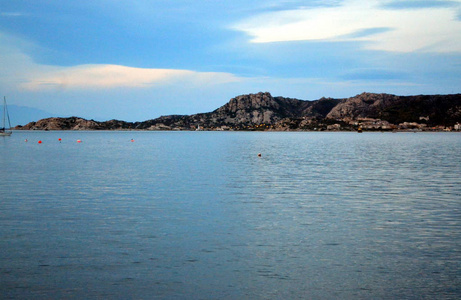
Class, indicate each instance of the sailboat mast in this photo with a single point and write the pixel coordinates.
(7, 114)
(3, 130)
(4, 111)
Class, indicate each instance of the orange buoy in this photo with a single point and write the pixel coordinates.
(79, 141)
(132, 140)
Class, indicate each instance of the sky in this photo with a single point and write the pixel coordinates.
(139, 59)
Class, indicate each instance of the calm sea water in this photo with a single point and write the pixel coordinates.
(198, 215)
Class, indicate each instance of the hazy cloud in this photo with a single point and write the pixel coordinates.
(12, 14)
(419, 4)
(18, 70)
(110, 76)
(429, 28)
(374, 75)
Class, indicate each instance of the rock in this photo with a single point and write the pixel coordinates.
(262, 111)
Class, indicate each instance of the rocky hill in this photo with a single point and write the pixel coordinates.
(262, 111)
(75, 123)
(441, 109)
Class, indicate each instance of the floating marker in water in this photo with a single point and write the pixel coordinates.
(132, 140)
(25, 140)
(39, 142)
(59, 139)
(259, 154)
(79, 141)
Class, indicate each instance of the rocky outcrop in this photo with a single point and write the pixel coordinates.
(262, 108)
(75, 123)
(262, 111)
(361, 106)
(257, 109)
(438, 109)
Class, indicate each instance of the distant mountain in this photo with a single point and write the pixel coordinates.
(246, 111)
(21, 115)
(440, 109)
(262, 111)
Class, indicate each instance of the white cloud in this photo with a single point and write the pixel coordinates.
(12, 14)
(431, 29)
(112, 76)
(19, 71)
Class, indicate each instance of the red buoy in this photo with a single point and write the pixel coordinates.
(79, 141)
(59, 139)
(39, 142)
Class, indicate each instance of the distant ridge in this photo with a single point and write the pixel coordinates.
(262, 111)
(23, 114)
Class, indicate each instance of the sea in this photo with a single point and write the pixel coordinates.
(201, 215)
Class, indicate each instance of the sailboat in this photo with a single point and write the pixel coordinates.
(3, 130)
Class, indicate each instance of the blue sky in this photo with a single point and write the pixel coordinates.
(136, 60)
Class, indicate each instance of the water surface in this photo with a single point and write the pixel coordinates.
(198, 215)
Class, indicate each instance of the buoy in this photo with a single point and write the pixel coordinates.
(259, 154)
(25, 140)
(39, 142)
(79, 141)
(132, 140)
(59, 139)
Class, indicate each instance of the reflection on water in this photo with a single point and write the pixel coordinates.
(199, 215)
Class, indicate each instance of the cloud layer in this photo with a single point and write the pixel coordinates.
(111, 76)
(376, 23)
